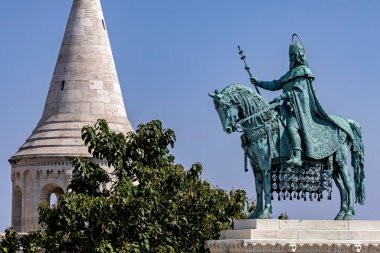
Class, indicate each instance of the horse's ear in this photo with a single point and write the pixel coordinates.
(214, 94)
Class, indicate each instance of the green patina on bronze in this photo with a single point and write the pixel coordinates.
(295, 148)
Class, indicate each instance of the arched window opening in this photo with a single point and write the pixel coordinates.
(51, 193)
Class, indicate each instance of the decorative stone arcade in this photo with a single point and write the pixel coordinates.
(84, 88)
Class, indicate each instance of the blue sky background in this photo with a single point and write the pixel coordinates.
(170, 54)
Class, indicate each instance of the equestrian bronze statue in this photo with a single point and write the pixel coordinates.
(294, 147)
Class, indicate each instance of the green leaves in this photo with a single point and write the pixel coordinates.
(88, 178)
(10, 243)
(151, 204)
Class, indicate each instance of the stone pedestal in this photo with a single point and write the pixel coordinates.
(264, 236)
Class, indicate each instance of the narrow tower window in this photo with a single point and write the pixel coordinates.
(63, 85)
(104, 24)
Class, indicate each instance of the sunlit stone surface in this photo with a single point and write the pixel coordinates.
(321, 236)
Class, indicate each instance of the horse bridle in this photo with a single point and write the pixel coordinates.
(253, 116)
(238, 123)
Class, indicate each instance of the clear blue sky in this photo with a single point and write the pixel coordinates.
(170, 54)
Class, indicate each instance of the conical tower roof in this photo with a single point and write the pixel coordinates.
(84, 88)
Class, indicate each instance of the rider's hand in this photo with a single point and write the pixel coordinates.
(275, 100)
(253, 80)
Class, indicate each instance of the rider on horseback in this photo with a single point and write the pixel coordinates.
(304, 115)
(325, 139)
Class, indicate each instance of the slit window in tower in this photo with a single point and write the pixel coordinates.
(63, 85)
(104, 24)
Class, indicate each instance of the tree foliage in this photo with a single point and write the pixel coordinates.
(10, 243)
(148, 204)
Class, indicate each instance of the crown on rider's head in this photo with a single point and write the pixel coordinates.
(296, 47)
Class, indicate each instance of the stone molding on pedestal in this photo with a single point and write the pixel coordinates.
(322, 247)
(304, 236)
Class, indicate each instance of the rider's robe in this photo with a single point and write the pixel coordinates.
(321, 133)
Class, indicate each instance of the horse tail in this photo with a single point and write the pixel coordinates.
(357, 161)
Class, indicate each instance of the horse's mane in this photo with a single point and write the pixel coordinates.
(248, 101)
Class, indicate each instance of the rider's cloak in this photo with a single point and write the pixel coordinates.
(322, 134)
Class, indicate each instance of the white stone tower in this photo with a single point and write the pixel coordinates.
(84, 88)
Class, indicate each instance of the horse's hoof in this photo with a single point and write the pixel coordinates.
(254, 215)
(348, 216)
(265, 215)
(343, 211)
(339, 216)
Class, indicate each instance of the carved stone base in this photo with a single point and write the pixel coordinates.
(279, 236)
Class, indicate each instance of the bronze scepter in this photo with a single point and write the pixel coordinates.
(246, 67)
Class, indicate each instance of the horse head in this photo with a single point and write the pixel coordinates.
(228, 111)
(239, 106)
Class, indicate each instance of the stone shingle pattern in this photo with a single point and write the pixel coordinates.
(84, 88)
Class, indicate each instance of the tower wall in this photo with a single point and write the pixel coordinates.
(33, 181)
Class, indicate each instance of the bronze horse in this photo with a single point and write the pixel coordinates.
(240, 108)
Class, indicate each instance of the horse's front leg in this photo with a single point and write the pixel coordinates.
(262, 154)
(259, 191)
(266, 168)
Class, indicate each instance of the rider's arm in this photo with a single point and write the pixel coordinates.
(269, 85)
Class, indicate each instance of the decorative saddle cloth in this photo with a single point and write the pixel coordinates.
(306, 182)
